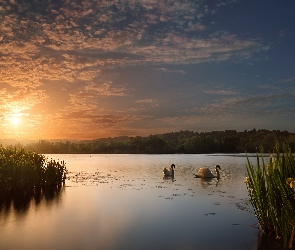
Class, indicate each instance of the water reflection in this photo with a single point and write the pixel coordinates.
(20, 201)
(266, 242)
(208, 182)
(171, 178)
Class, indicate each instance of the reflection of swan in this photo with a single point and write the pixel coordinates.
(206, 173)
(169, 171)
(168, 178)
(207, 182)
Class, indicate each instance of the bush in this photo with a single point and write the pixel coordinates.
(21, 169)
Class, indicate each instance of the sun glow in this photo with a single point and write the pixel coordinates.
(15, 120)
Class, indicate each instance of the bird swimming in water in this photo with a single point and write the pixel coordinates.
(169, 171)
(205, 172)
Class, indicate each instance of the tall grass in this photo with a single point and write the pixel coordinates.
(272, 193)
(21, 169)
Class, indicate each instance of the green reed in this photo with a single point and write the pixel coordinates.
(21, 169)
(271, 190)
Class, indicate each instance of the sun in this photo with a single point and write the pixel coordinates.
(14, 120)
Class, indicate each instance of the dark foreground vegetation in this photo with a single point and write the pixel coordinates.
(271, 187)
(185, 142)
(21, 169)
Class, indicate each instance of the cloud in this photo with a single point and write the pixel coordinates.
(147, 101)
(287, 80)
(220, 92)
(181, 72)
(20, 100)
(196, 27)
(60, 59)
(255, 105)
(255, 110)
(63, 44)
(146, 104)
(105, 89)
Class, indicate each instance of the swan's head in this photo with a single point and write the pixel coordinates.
(217, 167)
(172, 166)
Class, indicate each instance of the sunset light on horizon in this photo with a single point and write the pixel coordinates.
(94, 69)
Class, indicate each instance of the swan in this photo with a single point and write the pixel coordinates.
(169, 171)
(205, 172)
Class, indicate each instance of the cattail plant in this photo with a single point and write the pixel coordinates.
(271, 189)
(21, 169)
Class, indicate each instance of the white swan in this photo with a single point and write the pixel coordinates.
(169, 171)
(205, 172)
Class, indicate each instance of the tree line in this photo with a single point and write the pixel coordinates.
(182, 142)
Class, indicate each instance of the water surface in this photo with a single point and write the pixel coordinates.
(123, 202)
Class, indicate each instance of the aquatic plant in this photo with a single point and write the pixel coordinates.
(22, 169)
(272, 194)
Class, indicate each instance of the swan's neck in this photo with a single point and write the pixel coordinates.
(217, 171)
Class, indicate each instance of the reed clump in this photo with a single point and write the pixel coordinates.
(22, 169)
(271, 187)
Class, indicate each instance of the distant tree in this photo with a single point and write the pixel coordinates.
(228, 141)
(268, 143)
(137, 145)
(155, 144)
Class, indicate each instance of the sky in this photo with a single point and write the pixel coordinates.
(87, 69)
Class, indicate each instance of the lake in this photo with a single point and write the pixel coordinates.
(124, 202)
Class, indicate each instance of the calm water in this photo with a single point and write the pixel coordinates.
(123, 202)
